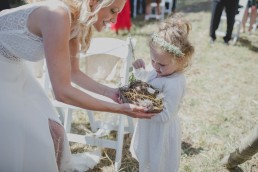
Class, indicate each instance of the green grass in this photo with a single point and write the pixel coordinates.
(221, 103)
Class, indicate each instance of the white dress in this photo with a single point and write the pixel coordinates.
(156, 142)
(26, 144)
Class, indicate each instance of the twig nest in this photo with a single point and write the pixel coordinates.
(142, 94)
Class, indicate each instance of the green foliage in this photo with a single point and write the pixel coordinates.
(132, 78)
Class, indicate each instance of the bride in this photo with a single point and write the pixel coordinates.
(32, 136)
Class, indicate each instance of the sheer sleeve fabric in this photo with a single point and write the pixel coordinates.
(173, 91)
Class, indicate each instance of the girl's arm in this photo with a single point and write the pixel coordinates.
(173, 93)
(54, 26)
(139, 70)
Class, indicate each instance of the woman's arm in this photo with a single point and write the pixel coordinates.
(54, 26)
(84, 81)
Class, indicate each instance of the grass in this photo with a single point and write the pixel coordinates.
(221, 103)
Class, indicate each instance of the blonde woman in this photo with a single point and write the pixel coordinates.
(32, 137)
(156, 143)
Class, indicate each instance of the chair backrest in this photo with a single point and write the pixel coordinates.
(108, 59)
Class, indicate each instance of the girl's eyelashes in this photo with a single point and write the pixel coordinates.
(161, 65)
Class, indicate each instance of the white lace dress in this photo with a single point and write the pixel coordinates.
(156, 142)
(26, 144)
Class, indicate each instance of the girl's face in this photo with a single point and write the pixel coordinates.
(107, 14)
(162, 63)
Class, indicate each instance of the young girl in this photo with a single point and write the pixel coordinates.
(156, 143)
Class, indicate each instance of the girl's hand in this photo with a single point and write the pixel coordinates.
(135, 111)
(139, 63)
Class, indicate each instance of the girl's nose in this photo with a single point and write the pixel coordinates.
(156, 65)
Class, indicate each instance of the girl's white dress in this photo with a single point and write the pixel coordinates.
(26, 144)
(156, 143)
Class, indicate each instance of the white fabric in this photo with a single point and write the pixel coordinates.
(156, 142)
(26, 143)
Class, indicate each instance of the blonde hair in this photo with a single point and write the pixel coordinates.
(83, 17)
(174, 32)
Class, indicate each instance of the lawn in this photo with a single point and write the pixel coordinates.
(221, 103)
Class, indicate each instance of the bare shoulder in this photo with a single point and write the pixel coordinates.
(54, 13)
(49, 17)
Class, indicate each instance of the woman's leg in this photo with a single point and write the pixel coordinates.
(158, 12)
(57, 133)
(158, 9)
(147, 9)
(253, 16)
(245, 19)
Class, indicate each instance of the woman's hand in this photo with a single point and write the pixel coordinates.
(136, 111)
(139, 63)
(112, 93)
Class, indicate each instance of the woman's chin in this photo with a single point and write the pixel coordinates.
(99, 28)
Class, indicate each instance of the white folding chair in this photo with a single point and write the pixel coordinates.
(165, 8)
(168, 6)
(237, 25)
(104, 58)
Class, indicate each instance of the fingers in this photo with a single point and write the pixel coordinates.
(142, 115)
(142, 64)
(136, 65)
(139, 109)
(139, 63)
(135, 111)
(141, 112)
(119, 100)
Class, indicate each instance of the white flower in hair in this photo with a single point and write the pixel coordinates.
(166, 46)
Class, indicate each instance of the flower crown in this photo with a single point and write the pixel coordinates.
(166, 46)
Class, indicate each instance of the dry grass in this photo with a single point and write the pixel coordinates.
(221, 103)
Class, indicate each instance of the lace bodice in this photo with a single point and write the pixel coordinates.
(16, 41)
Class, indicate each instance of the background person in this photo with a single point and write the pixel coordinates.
(148, 9)
(252, 4)
(4, 4)
(174, 6)
(218, 6)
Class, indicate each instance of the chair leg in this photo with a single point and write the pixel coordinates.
(61, 113)
(120, 140)
(93, 125)
(130, 124)
(68, 120)
(238, 25)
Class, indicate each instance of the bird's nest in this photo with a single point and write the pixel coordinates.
(142, 94)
